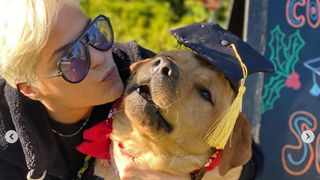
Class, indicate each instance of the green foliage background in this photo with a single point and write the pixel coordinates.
(148, 21)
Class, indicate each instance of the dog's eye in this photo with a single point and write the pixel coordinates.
(205, 94)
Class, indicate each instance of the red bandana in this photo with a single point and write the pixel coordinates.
(97, 141)
(97, 138)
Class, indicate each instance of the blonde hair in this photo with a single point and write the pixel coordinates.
(24, 30)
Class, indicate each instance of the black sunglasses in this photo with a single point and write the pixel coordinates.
(74, 63)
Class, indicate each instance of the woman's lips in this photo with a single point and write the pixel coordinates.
(109, 74)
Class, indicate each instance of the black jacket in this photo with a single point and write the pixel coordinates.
(37, 149)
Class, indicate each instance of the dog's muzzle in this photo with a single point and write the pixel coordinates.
(153, 88)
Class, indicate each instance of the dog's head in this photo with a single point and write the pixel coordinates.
(172, 100)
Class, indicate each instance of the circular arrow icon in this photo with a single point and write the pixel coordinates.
(11, 136)
(307, 136)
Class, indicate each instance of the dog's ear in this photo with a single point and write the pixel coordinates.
(240, 151)
(136, 64)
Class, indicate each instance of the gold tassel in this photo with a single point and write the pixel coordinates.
(218, 134)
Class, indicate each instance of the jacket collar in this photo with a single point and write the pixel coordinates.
(31, 124)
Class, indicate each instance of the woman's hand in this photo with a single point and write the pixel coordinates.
(129, 170)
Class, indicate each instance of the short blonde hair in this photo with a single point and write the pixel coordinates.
(24, 30)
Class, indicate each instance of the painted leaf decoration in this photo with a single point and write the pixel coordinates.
(284, 57)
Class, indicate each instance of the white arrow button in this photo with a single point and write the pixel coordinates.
(307, 136)
(11, 136)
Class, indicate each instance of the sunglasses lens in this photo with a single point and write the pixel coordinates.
(100, 34)
(74, 64)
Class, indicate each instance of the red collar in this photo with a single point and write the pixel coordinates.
(97, 141)
(213, 162)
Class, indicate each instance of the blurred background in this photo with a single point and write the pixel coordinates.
(148, 21)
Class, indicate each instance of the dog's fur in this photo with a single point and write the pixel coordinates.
(167, 133)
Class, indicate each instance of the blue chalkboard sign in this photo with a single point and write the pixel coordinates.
(287, 32)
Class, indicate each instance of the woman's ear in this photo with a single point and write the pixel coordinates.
(240, 151)
(29, 90)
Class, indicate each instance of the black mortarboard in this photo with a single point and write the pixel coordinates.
(211, 41)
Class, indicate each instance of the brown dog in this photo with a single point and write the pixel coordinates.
(169, 104)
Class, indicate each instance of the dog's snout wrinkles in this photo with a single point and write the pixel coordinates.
(166, 67)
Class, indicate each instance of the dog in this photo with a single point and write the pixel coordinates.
(169, 103)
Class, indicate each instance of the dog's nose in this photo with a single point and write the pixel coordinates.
(166, 67)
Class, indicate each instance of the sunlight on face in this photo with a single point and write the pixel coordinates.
(101, 85)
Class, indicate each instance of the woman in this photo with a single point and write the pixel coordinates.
(60, 73)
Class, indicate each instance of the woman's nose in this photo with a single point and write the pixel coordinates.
(97, 57)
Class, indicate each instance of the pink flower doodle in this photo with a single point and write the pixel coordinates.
(293, 81)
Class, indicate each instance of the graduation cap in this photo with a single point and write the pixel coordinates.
(212, 42)
(230, 55)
